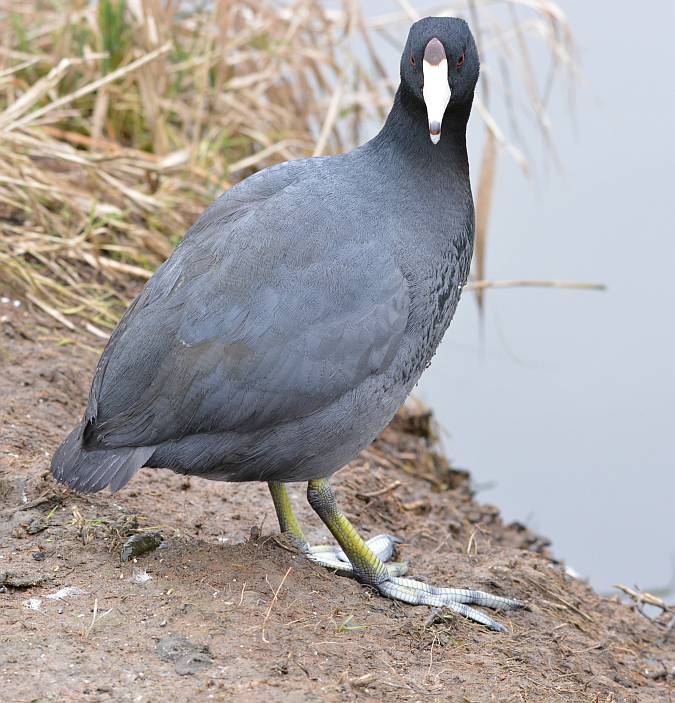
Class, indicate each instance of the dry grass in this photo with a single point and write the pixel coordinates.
(120, 120)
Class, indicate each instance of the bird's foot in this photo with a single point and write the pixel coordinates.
(332, 557)
(408, 590)
(457, 600)
(369, 563)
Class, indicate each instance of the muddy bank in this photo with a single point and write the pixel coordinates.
(219, 608)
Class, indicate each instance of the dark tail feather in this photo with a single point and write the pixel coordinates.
(91, 470)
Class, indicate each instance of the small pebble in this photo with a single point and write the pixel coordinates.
(139, 544)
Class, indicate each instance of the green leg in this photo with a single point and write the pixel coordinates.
(367, 567)
(288, 523)
(381, 546)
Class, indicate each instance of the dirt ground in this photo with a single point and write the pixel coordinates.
(225, 610)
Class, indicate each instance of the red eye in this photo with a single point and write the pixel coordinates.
(412, 60)
(460, 61)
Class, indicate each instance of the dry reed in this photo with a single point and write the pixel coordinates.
(121, 119)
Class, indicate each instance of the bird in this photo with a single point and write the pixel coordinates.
(295, 317)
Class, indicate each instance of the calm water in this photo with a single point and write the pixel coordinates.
(565, 402)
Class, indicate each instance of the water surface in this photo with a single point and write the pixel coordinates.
(566, 403)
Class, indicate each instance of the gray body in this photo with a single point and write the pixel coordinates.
(291, 322)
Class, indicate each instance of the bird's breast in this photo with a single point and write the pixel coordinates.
(435, 291)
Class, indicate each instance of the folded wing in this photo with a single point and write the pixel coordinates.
(250, 323)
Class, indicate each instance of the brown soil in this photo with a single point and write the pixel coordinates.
(264, 624)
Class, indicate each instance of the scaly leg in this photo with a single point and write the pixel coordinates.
(288, 523)
(325, 554)
(369, 569)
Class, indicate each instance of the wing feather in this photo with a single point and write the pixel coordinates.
(251, 322)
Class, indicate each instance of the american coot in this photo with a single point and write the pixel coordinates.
(297, 314)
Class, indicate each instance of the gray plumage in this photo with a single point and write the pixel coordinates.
(298, 311)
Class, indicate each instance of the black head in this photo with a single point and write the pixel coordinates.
(439, 67)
